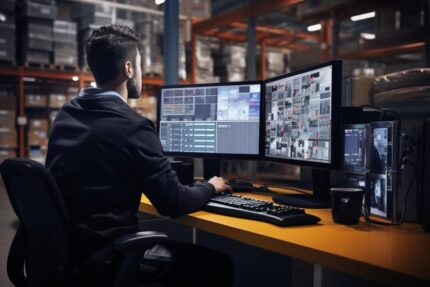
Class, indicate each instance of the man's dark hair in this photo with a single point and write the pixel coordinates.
(108, 48)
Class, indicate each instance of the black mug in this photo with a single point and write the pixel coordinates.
(346, 204)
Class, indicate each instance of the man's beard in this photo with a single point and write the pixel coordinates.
(132, 91)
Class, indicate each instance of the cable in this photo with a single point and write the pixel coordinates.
(406, 197)
(416, 176)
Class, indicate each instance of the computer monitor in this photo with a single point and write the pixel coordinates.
(383, 170)
(211, 120)
(302, 125)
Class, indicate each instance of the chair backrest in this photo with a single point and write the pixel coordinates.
(42, 238)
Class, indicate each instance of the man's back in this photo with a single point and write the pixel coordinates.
(103, 156)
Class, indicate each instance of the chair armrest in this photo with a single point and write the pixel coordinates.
(139, 240)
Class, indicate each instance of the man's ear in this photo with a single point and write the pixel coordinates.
(128, 69)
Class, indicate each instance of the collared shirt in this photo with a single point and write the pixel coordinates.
(99, 93)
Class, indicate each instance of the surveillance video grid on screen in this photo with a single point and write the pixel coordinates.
(211, 119)
(298, 116)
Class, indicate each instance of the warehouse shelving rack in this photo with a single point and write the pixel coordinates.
(83, 79)
(222, 27)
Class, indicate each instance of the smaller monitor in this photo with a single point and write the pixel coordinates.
(354, 147)
(381, 181)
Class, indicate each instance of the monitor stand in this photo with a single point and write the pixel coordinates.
(320, 197)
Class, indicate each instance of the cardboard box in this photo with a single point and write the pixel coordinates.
(35, 101)
(7, 54)
(38, 10)
(98, 18)
(7, 35)
(38, 125)
(5, 154)
(200, 9)
(65, 59)
(83, 9)
(37, 137)
(37, 57)
(8, 103)
(57, 100)
(8, 139)
(7, 120)
(65, 32)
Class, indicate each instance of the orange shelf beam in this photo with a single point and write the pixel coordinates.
(259, 8)
(279, 31)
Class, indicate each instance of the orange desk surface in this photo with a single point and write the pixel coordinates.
(396, 256)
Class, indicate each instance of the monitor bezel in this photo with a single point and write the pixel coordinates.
(227, 156)
(335, 114)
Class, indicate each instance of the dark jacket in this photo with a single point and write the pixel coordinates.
(104, 156)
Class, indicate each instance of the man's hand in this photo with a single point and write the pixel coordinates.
(219, 184)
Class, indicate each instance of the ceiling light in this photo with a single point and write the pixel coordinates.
(93, 84)
(368, 36)
(159, 2)
(363, 16)
(75, 78)
(315, 27)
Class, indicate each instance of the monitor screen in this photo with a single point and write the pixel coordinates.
(302, 116)
(382, 168)
(354, 148)
(210, 119)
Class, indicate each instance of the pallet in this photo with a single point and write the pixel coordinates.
(38, 66)
(6, 63)
(153, 75)
(65, 68)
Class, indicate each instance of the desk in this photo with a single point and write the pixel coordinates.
(396, 256)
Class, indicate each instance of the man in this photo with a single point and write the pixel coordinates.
(104, 155)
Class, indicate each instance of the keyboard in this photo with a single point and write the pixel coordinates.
(250, 208)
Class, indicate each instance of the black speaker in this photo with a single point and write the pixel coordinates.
(425, 175)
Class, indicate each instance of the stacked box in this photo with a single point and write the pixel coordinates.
(33, 100)
(150, 29)
(200, 9)
(230, 63)
(56, 101)
(5, 154)
(89, 17)
(65, 43)
(275, 62)
(204, 61)
(36, 42)
(182, 62)
(38, 132)
(8, 137)
(7, 31)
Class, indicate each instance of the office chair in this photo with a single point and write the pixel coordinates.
(41, 244)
